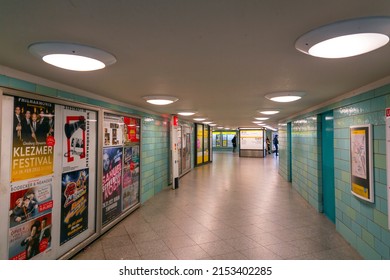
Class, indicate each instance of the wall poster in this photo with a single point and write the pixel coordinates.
(252, 139)
(112, 183)
(33, 141)
(130, 176)
(48, 177)
(361, 162)
(74, 204)
(199, 143)
(30, 212)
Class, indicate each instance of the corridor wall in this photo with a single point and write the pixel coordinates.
(363, 224)
(154, 130)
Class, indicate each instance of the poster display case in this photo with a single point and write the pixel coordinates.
(69, 172)
(48, 176)
(252, 142)
(121, 166)
(361, 162)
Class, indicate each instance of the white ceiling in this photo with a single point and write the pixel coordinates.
(219, 57)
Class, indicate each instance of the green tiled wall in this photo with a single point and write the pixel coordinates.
(361, 223)
(284, 160)
(364, 224)
(155, 151)
(154, 131)
(305, 158)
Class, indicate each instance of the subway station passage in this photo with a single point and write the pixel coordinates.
(234, 208)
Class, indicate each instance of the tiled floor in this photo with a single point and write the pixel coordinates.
(234, 208)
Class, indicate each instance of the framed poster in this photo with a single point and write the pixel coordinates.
(361, 162)
(112, 183)
(251, 139)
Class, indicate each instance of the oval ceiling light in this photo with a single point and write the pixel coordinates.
(346, 38)
(72, 56)
(269, 111)
(288, 96)
(261, 118)
(199, 119)
(186, 113)
(160, 100)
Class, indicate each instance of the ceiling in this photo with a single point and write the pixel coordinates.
(219, 57)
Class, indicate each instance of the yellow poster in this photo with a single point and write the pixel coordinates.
(33, 139)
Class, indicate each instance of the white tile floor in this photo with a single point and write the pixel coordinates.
(234, 208)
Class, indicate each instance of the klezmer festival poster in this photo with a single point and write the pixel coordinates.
(33, 139)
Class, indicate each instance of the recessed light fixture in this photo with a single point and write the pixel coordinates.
(207, 122)
(261, 118)
(199, 119)
(160, 99)
(258, 122)
(269, 111)
(72, 56)
(186, 113)
(346, 38)
(288, 96)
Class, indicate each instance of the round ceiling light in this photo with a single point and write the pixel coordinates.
(346, 38)
(199, 119)
(261, 118)
(269, 112)
(72, 56)
(285, 96)
(160, 100)
(186, 113)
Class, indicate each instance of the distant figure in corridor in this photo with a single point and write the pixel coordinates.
(234, 142)
(268, 145)
(276, 144)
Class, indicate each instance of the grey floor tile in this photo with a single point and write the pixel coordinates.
(216, 248)
(260, 253)
(128, 252)
(151, 247)
(203, 237)
(191, 253)
(165, 255)
(234, 208)
(265, 238)
(116, 241)
(231, 256)
(179, 242)
(144, 236)
(242, 243)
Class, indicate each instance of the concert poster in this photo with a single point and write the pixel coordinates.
(112, 183)
(74, 204)
(33, 139)
(31, 238)
(113, 127)
(131, 130)
(79, 125)
(30, 199)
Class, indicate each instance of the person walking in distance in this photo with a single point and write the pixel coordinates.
(268, 145)
(234, 142)
(276, 144)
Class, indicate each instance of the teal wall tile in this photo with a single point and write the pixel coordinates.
(4, 81)
(22, 85)
(361, 223)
